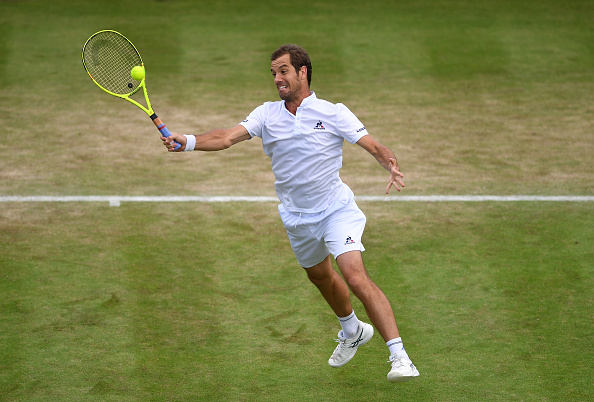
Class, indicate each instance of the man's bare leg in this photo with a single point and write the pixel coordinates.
(331, 286)
(376, 303)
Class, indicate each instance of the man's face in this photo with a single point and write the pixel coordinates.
(286, 79)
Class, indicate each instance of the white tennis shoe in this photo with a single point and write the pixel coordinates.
(347, 347)
(403, 369)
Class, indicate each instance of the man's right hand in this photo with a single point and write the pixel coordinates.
(169, 142)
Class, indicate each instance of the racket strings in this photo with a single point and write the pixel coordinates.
(109, 58)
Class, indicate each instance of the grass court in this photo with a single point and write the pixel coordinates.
(205, 301)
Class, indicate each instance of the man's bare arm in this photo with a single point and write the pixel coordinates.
(386, 158)
(214, 140)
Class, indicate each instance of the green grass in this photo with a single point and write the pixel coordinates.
(474, 97)
(142, 302)
(192, 301)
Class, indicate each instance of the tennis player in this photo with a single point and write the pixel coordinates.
(303, 136)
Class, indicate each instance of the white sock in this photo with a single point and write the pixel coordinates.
(350, 325)
(397, 348)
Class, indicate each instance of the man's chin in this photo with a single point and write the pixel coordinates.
(288, 97)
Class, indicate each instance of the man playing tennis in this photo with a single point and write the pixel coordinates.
(303, 136)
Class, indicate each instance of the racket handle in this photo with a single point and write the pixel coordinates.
(163, 129)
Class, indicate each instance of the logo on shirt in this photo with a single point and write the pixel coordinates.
(361, 129)
(319, 126)
(349, 241)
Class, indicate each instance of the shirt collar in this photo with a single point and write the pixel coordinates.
(304, 103)
(310, 99)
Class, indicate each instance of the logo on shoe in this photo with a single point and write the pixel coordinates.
(356, 342)
(349, 241)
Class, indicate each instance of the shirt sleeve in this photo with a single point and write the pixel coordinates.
(349, 125)
(255, 121)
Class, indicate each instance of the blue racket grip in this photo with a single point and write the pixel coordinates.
(163, 129)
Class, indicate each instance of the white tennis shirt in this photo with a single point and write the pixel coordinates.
(305, 149)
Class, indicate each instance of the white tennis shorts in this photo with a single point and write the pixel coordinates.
(335, 231)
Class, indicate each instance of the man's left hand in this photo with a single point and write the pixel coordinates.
(395, 176)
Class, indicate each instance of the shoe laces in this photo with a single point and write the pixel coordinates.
(340, 348)
(397, 361)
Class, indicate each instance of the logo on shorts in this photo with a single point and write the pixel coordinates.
(319, 126)
(349, 241)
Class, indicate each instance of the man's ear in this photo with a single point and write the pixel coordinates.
(303, 72)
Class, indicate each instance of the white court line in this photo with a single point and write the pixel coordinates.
(115, 200)
(477, 198)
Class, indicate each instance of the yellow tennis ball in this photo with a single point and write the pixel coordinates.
(137, 73)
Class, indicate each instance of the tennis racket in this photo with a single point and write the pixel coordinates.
(109, 57)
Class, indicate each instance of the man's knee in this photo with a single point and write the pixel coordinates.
(360, 283)
(320, 273)
(354, 273)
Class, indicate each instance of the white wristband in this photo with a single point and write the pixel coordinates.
(190, 142)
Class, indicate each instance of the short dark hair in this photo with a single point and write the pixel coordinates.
(299, 58)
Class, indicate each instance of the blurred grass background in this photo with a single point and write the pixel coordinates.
(205, 301)
(474, 97)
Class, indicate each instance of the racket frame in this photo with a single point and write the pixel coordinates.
(148, 109)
